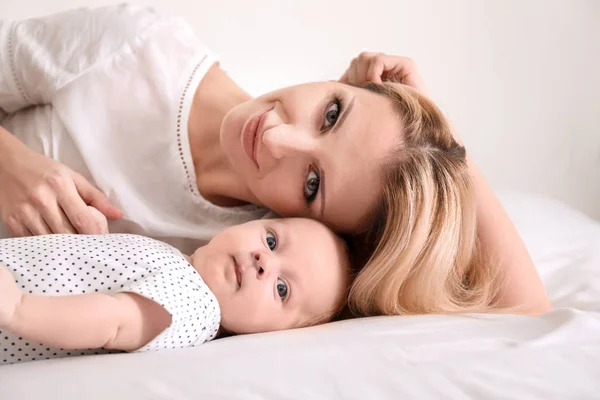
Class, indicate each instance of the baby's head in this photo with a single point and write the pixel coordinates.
(275, 274)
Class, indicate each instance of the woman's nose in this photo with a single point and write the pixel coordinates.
(287, 140)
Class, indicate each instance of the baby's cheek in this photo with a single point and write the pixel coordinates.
(100, 220)
(247, 314)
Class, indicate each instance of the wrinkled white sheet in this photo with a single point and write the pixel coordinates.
(556, 356)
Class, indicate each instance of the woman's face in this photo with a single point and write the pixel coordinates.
(313, 150)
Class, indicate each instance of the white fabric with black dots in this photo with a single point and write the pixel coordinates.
(57, 265)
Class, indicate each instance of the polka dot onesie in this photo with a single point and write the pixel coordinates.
(57, 265)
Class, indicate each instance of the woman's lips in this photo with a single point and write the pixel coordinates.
(250, 135)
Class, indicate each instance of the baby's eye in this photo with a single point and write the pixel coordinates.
(271, 241)
(282, 289)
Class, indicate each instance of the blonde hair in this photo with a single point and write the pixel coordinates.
(422, 242)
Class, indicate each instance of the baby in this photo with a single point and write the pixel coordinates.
(64, 295)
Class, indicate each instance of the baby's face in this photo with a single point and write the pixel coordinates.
(274, 274)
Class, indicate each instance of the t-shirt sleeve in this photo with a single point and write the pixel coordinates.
(39, 56)
(195, 313)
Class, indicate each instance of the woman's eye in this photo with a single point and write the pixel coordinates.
(271, 241)
(282, 289)
(332, 114)
(311, 186)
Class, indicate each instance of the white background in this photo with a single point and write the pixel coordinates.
(520, 79)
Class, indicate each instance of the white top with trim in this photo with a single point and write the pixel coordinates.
(108, 92)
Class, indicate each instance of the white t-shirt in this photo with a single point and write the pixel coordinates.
(61, 265)
(108, 92)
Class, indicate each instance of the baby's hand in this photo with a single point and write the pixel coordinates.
(10, 297)
(100, 220)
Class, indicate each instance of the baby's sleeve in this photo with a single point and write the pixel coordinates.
(38, 56)
(195, 313)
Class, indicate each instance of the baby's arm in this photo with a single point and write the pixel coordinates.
(124, 321)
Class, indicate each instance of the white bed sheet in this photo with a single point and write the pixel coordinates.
(556, 356)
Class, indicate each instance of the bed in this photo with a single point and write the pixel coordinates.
(556, 356)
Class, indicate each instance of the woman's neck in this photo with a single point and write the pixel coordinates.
(217, 181)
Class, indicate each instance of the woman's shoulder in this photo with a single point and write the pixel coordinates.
(136, 21)
(62, 46)
(102, 30)
(126, 40)
(128, 26)
(124, 20)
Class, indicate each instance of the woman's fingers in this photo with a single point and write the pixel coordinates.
(378, 68)
(362, 67)
(77, 211)
(16, 228)
(33, 221)
(344, 78)
(95, 198)
(56, 219)
(352, 75)
(38, 195)
(77, 194)
(43, 215)
(403, 70)
(37, 226)
(375, 71)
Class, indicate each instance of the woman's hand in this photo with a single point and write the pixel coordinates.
(40, 196)
(10, 297)
(379, 67)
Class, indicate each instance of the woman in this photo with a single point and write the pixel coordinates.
(138, 108)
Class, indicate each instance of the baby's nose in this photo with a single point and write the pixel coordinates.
(266, 264)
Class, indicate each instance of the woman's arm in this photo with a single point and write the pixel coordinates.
(38, 57)
(502, 244)
(500, 240)
(125, 321)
